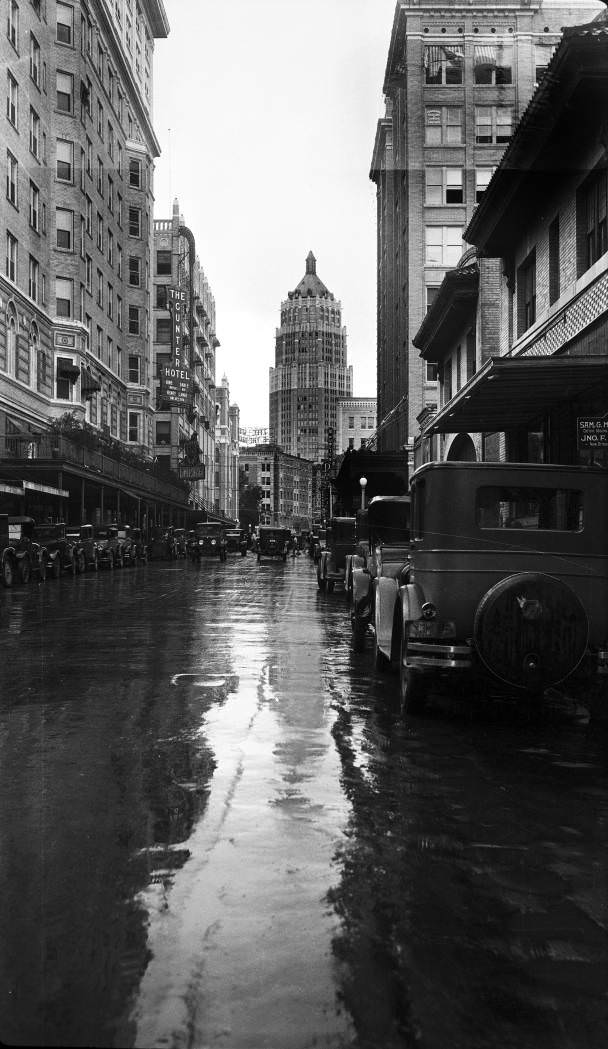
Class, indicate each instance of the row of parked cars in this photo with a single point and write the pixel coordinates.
(30, 550)
(487, 577)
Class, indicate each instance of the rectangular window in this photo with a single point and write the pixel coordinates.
(493, 63)
(100, 120)
(351, 422)
(100, 176)
(543, 54)
(65, 228)
(554, 261)
(119, 311)
(134, 427)
(471, 354)
(443, 126)
(11, 257)
(65, 92)
(431, 292)
(163, 330)
(133, 320)
(443, 186)
(493, 124)
(553, 509)
(12, 98)
(33, 278)
(431, 373)
(99, 232)
(65, 23)
(34, 60)
(63, 297)
(135, 222)
(110, 296)
(135, 173)
(110, 247)
(99, 343)
(134, 369)
(89, 271)
(12, 23)
(592, 227)
(161, 296)
(34, 132)
(482, 181)
(163, 263)
(134, 271)
(100, 289)
(526, 293)
(443, 63)
(11, 179)
(443, 245)
(89, 215)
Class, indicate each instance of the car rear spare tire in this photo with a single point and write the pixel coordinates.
(530, 630)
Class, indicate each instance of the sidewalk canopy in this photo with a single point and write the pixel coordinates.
(509, 392)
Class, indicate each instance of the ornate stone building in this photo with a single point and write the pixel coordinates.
(311, 371)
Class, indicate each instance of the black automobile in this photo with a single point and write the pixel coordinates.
(208, 540)
(85, 546)
(236, 542)
(273, 542)
(61, 552)
(21, 553)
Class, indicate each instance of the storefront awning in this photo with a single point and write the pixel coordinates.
(509, 392)
(66, 369)
(88, 383)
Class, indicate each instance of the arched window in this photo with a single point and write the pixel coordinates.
(11, 339)
(34, 347)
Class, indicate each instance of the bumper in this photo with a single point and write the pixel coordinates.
(424, 656)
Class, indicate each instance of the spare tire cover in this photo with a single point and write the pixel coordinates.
(530, 630)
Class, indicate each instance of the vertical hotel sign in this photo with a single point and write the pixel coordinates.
(176, 385)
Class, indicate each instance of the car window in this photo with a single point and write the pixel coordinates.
(536, 509)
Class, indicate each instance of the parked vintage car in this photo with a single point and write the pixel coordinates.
(180, 541)
(273, 542)
(161, 545)
(209, 540)
(508, 582)
(125, 545)
(108, 546)
(236, 542)
(376, 583)
(140, 547)
(21, 553)
(340, 539)
(61, 553)
(85, 546)
(357, 558)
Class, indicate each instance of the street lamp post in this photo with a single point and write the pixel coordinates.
(363, 482)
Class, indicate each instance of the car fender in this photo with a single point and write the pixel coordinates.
(386, 597)
(411, 597)
(361, 588)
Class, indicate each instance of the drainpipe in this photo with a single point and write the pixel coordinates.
(189, 236)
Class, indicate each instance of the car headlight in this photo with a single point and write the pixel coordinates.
(213, 542)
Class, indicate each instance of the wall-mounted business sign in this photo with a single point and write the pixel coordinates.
(191, 473)
(592, 431)
(175, 384)
(176, 300)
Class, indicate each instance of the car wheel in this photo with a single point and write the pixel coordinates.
(413, 685)
(8, 572)
(25, 570)
(56, 568)
(380, 661)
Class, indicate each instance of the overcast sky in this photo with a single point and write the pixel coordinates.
(272, 108)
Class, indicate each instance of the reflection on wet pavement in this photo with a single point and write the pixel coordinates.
(216, 831)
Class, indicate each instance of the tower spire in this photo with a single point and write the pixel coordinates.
(311, 263)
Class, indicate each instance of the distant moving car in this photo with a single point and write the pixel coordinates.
(340, 539)
(21, 554)
(208, 540)
(61, 552)
(273, 542)
(236, 542)
(507, 584)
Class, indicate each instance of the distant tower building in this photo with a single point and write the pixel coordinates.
(310, 372)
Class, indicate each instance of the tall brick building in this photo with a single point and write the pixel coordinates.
(311, 371)
(458, 78)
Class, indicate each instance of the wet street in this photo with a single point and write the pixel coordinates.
(216, 831)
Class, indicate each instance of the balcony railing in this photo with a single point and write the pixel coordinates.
(39, 451)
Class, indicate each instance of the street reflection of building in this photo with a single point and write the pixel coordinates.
(355, 422)
(532, 384)
(176, 264)
(286, 482)
(458, 77)
(311, 371)
(226, 454)
(76, 230)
